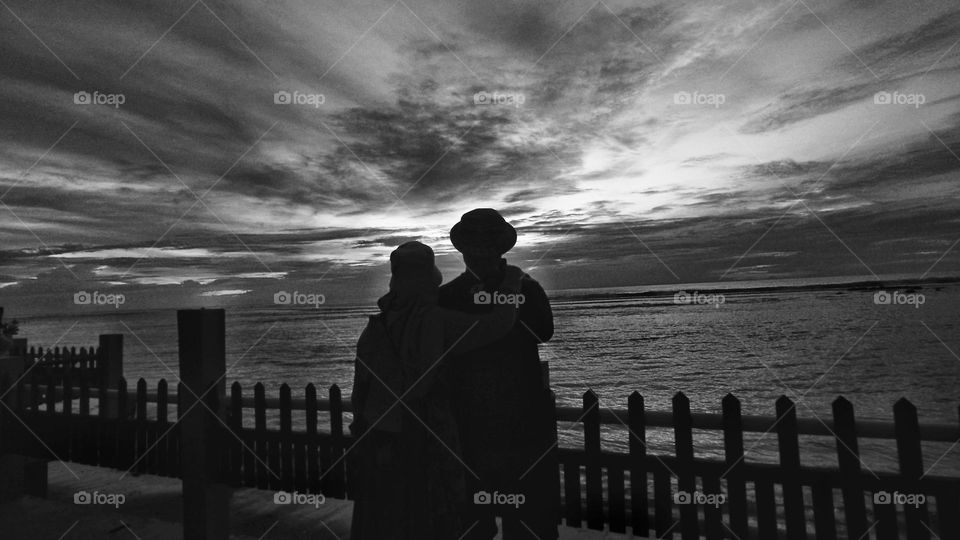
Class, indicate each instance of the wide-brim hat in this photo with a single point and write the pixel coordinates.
(483, 229)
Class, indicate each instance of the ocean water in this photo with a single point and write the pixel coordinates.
(811, 345)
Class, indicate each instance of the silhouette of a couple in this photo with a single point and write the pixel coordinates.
(452, 421)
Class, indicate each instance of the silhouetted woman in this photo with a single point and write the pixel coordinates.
(408, 476)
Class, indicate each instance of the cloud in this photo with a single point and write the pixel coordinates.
(200, 178)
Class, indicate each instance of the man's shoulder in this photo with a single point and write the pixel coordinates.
(528, 283)
(457, 283)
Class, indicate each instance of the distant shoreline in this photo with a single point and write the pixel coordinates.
(908, 284)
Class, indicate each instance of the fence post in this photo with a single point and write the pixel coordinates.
(639, 509)
(286, 439)
(788, 441)
(109, 371)
(910, 456)
(313, 454)
(591, 447)
(848, 459)
(686, 477)
(733, 460)
(202, 369)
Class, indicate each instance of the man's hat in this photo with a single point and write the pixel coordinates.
(483, 229)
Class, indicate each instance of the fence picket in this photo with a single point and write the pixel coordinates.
(591, 447)
(910, 457)
(160, 435)
(143, 448)
(788, 441)
(300, 465)
(686, 478)
(824, 517)
(260, 429)
(313, 455)
(286, 448)
(733, 460)
(848, 459)
(663, 522)
(713, 514)
(639, 509)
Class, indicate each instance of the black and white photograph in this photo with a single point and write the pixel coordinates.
(460, 270)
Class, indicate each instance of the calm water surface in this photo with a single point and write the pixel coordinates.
(811, 345)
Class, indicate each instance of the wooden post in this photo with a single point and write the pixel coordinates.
(202, 369)
(591, 447)
(733, 461)
(313, 454)
(788, 441)
(848, 460)
(910, 457)
(639, 509)
(686, 480)
(109, 371)
(260, 434)
(300, 465)
(286, 440)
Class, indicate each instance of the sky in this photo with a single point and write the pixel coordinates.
(209, 152)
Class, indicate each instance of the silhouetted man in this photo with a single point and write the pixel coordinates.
(506, 422)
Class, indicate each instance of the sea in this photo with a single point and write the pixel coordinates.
(870, 343)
